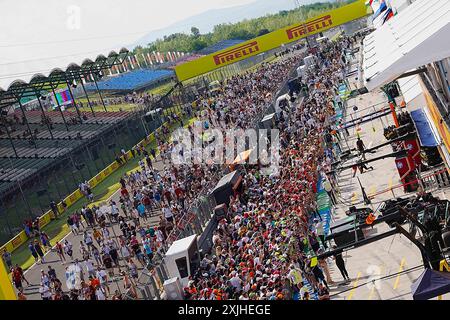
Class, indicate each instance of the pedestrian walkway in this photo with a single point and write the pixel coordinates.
(33, 274)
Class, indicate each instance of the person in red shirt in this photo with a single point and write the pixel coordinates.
(94, 282)
(17, 279)
(124, 193)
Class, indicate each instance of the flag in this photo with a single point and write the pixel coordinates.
(130, 62)
(135, 58)
(149, 58)
(125, 65)
(160, 57)
(144, 60)
(381, 9)
(389, 14)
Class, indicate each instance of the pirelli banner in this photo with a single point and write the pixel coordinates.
(272, 40)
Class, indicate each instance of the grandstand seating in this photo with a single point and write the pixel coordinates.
(130, 81)
(220, 46)
(16, 169)
(34, 116)
(32, 158)
(85, 131)
(32, 152)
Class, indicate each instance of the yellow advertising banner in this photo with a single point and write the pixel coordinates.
(14, 243)
(272, 40)
(6, 289)
(441, 126)
(45, 219)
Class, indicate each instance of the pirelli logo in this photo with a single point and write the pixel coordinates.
(312, 26)
(236, 53)
(17, 241)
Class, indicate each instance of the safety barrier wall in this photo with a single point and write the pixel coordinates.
(48, 216)
(197, 220)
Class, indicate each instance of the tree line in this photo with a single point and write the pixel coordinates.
(243, 30)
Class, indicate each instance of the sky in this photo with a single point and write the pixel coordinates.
(37, 34)
(31, 21)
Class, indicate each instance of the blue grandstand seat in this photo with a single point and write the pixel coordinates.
(132, 80)
(220, 46)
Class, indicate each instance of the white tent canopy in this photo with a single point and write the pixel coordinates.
(24, 71)
(410, 87)
(417, 36)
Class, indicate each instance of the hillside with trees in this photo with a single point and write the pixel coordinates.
(244, 30)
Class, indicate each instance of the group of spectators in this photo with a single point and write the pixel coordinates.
(143, 98)
(265, 248)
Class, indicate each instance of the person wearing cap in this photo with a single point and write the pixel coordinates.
(320, 232)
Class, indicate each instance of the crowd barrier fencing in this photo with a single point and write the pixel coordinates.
(427, 186)
(71, 199)
(196, 221)
(150, 284)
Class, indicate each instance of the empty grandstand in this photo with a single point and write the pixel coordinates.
(221, 45)
(133, 81)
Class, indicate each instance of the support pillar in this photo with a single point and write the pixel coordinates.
(60, 110)
(28, 125)
(73, 100)
(87, 98)
(45, 117)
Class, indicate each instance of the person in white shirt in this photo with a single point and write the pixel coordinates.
(320, 232)
(45, 292)
(89, 265)
(236, 281)
(103, 278)
(168, 214)
(125, 252)
(100, 293)
(44, 278)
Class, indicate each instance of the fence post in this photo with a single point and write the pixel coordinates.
(155, 287)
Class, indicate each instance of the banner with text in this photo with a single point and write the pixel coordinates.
(272, 40)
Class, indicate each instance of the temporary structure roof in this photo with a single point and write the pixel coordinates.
(182, 245)
(416, 36)
(410, 87)
(26, 71)
(430, 284)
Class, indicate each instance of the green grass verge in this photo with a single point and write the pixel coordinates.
(58, 229)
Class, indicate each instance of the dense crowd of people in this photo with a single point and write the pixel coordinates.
(263, 249)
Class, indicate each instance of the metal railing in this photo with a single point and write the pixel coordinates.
(194, 221)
